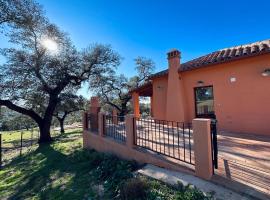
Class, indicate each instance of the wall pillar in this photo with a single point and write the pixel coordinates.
(85, 128)
(130, 131)
(101, 125)
(136, 104)
(151, 106)
(94, 109)
(202, 148)
(115, 116)
(85, 120)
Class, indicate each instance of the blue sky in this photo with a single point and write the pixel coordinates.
(152, 27)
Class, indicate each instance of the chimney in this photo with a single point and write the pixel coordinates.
(174, 59)
(175, 108)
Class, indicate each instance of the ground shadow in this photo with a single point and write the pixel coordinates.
(48, 173)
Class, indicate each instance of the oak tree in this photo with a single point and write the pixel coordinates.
(69, 103)
(42, 62)
(114, 90)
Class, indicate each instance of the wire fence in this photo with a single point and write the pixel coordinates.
(15, 143)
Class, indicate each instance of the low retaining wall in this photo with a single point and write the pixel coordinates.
(107, 145)
(203, 166)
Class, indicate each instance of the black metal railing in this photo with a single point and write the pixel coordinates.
(92, 123)
(173, 139)
(114, 127)
(214, 143)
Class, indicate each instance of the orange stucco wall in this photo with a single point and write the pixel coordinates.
(240, 106)
(159, 98)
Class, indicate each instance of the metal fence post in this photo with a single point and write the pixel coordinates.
(134, 130)
(214, 143)
(21, 142)
(0, 150)
(32, 136)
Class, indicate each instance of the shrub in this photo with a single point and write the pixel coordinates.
(191, 193)
(134, 189)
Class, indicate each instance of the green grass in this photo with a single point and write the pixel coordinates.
(64, 170)
(15, 136)
(11, 142)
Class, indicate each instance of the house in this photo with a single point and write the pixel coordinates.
(231, 85)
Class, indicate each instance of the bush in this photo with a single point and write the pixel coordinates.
(117, 179)
(134, 189)
(191, 194)
(113, 172)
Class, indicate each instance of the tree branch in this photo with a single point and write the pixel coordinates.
(21, 110)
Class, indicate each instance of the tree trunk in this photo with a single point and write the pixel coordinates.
(61, 122)
(45, 135)
(44, 129)
(123, 110)
(44, 123)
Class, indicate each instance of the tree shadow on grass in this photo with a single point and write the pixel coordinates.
(47, 173)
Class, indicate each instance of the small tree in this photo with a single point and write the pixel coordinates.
(43, 63)
(69, 103)
(114, 89)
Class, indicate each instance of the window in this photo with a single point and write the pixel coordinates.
(204, 102)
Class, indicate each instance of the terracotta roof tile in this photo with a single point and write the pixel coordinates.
(223, 55)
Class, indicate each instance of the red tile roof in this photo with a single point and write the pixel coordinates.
(144, 89)
(223, 55)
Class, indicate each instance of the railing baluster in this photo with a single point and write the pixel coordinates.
(117, 131)
(178, 141)
(138, 131)
(142, 131)
(184, 141)
(119, 125)
(159, 141)
(169, 137)
(163, 137)
(189, 142)
(173, 138)
(152, 135)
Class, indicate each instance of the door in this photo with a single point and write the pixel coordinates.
(204, 102)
